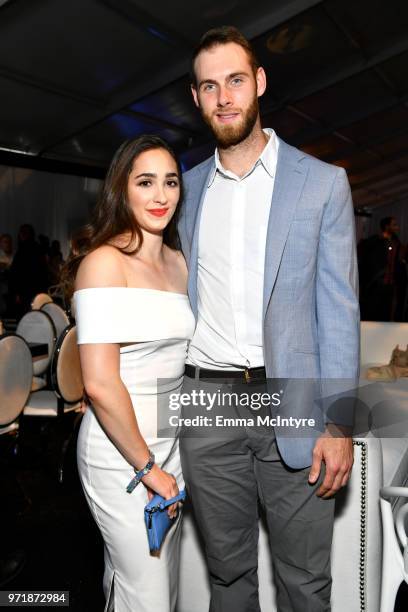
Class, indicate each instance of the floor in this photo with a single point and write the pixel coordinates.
(52, 524)
(51, 520)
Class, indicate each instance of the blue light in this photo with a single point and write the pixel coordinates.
(160, 35)
(128, 126)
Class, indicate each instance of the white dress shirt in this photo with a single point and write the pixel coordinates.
(231, 258)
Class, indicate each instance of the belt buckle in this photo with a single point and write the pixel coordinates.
(247, 375)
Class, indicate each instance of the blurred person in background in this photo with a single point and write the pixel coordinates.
(383, 275)
(6, 259)
(55, 262)
(28, 272)
(44, 243)
(6, 251)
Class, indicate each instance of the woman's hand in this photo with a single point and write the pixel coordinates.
(163, 483)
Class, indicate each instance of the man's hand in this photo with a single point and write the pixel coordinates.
(336, 450)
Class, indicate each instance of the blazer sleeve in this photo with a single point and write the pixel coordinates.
(338, 314)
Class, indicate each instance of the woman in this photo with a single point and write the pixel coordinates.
(133, 322)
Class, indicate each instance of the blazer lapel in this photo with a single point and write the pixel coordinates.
(289, 180)
(200, 187)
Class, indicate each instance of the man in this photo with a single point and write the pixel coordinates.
(6, 251)
(268, 233)
(28, 272)
(383, 276)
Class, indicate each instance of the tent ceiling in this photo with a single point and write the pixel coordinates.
(79, 77)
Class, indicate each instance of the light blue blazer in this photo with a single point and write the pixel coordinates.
(311, 316)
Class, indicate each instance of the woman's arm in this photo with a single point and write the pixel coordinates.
(111, 401)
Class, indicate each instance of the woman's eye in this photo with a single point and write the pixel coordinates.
(172, 183)
(145, 183)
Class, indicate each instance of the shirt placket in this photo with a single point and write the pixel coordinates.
(237, 255)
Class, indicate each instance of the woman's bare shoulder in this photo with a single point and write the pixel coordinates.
(102, 267)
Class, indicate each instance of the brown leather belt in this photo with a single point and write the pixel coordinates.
(246, 375)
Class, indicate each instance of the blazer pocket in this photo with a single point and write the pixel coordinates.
(301, 245)
(304, 351)
(306, 214)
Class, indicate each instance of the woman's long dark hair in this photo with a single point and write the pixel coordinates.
(112, 214)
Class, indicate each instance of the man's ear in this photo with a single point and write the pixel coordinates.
(194, 94)
(260, 81)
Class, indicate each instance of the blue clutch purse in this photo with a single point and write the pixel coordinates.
(157, 520)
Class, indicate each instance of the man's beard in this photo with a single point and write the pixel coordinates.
(231, 135)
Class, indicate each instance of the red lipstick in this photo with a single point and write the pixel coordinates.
(158, 212)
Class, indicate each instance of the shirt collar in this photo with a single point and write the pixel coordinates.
(268, 159)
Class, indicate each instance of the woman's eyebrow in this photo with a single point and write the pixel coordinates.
(149, 174)
(153, 175)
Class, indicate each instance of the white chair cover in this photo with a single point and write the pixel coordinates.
(66, 380)
(45, 404)
(16, 372)
(58, 315)
(37, 326)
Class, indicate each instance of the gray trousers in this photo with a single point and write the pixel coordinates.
(226, 478)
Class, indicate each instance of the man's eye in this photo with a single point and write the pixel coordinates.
(208, 87)
(236, 81)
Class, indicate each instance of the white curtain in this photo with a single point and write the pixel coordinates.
(55, 204)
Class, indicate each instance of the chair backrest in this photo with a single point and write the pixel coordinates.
(58, 315)
(37, 326)
(39, 300)
(66, 375)
(16, 373)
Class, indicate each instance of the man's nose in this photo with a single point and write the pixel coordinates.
(224, 96)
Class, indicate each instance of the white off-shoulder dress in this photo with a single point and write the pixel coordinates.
(158, 324)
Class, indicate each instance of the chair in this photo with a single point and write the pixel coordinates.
(66, 380)
(58, 315)
(16, 372)
(395, 545)
(66, 387)
(39, 300)
(37, 326)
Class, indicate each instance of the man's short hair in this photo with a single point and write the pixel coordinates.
(384, 223)
(222, 36)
